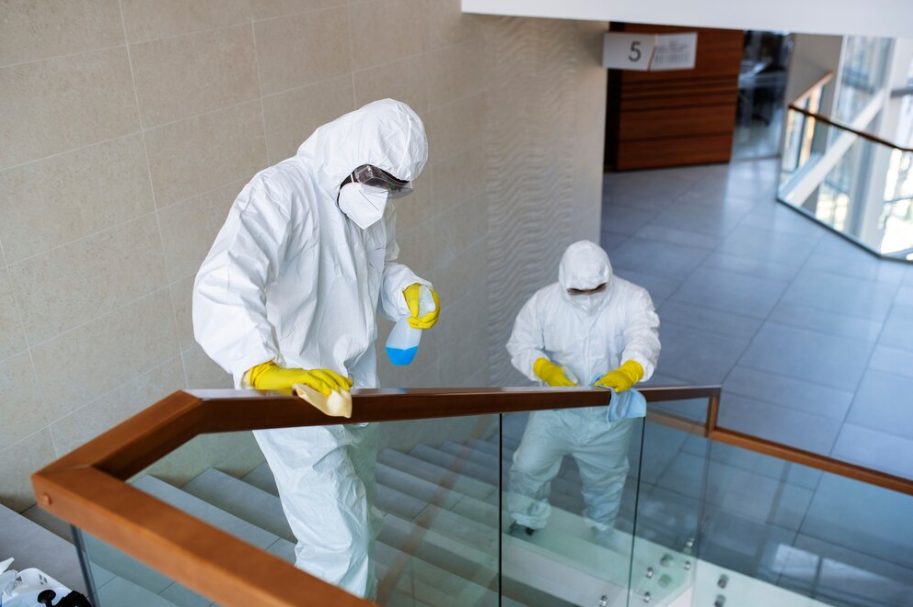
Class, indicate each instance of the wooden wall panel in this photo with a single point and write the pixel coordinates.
(675, 118)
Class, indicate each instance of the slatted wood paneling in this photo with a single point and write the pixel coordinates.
(675, 118)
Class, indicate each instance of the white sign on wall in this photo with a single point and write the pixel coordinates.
(649, 52)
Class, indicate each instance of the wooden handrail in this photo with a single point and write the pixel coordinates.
(87, 487)
(849, 129)
(819, 83)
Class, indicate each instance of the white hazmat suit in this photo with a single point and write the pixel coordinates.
(292, 279)
(589, 335)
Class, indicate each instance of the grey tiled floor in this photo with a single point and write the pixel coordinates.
(811, 337)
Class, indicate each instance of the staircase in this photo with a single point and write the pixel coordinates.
(438, 546)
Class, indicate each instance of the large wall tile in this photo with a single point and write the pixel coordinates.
(459, 179)
(457, 126)
(12, 339)
(31, 30)
(58, 200)
(270, 9)
(20, 461)
(182, 301)
(71, 285)
(292, 117)
(199, 154)
(57, 105)
(154, 19)
(299, 50)
(189, 75)
(22, 411)
(89, 421)
(448, 24)
(189, 228)
(394, 31)
(402, 80)
(99, 356)
(456, 71)
(202, 372)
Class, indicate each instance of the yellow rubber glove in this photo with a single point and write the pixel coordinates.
(412, 294)
(623, 378)
(270, 376)
(551, 373)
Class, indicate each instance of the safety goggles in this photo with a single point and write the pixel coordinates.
(375, 177)
(598, 289)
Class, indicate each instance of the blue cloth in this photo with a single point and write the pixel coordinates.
(628, 404)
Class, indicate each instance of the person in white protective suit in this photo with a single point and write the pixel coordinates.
(288, 295)
(603, 330)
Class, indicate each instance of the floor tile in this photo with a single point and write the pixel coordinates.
(715, 321)
(723, 290)
(752, 266)
(621, 219)
(828, 571)
(789, 392)
(839, 325)
(611, 241)
(875, 449)
(701, 218)
(679, 237)
(809, 356)
(743, 545)
(861, 517)
(778, 217)
(658, 258)
(893, 361)
(884, 402)
(863, 265)
(700, 356)
(660, 287)
(779, 424)
(898, 328)
(841, 294)
(768, 245)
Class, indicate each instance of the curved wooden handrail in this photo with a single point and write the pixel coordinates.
(819, 83)
(87, 487)
(849, 129)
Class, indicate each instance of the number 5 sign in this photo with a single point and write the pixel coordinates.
(649, 52)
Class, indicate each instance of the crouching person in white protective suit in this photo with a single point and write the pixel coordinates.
(288, 295)
(603, 330)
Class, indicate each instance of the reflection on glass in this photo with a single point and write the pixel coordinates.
(859, 187)
(571, 490)
(862, 74)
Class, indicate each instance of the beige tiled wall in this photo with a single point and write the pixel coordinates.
(128, 127)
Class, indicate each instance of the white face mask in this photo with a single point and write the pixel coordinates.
(590, 303)
(363, 204)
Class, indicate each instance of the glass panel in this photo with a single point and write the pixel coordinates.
(670, 503)
(778, 533)
(433, 485)
(570, 481)
(862, 74)
(858, 187)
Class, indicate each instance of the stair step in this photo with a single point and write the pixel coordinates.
(439, 476)
(433, 585)
(485, 446)
(442, 497)
(487, 474)
(468, 532)
(243, 500)
(123, 592)
(207, 512)
(468, 453)
(34, 546)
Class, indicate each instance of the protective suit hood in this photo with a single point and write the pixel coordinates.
(585, 265)
(386, 134)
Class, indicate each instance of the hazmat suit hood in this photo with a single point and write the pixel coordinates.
(386, 134)
(585, 265)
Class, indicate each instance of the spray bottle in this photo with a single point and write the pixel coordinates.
(402, 344)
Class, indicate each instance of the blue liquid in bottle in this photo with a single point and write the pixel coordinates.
(401, 357)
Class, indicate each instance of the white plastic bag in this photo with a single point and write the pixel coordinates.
(21, 588)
